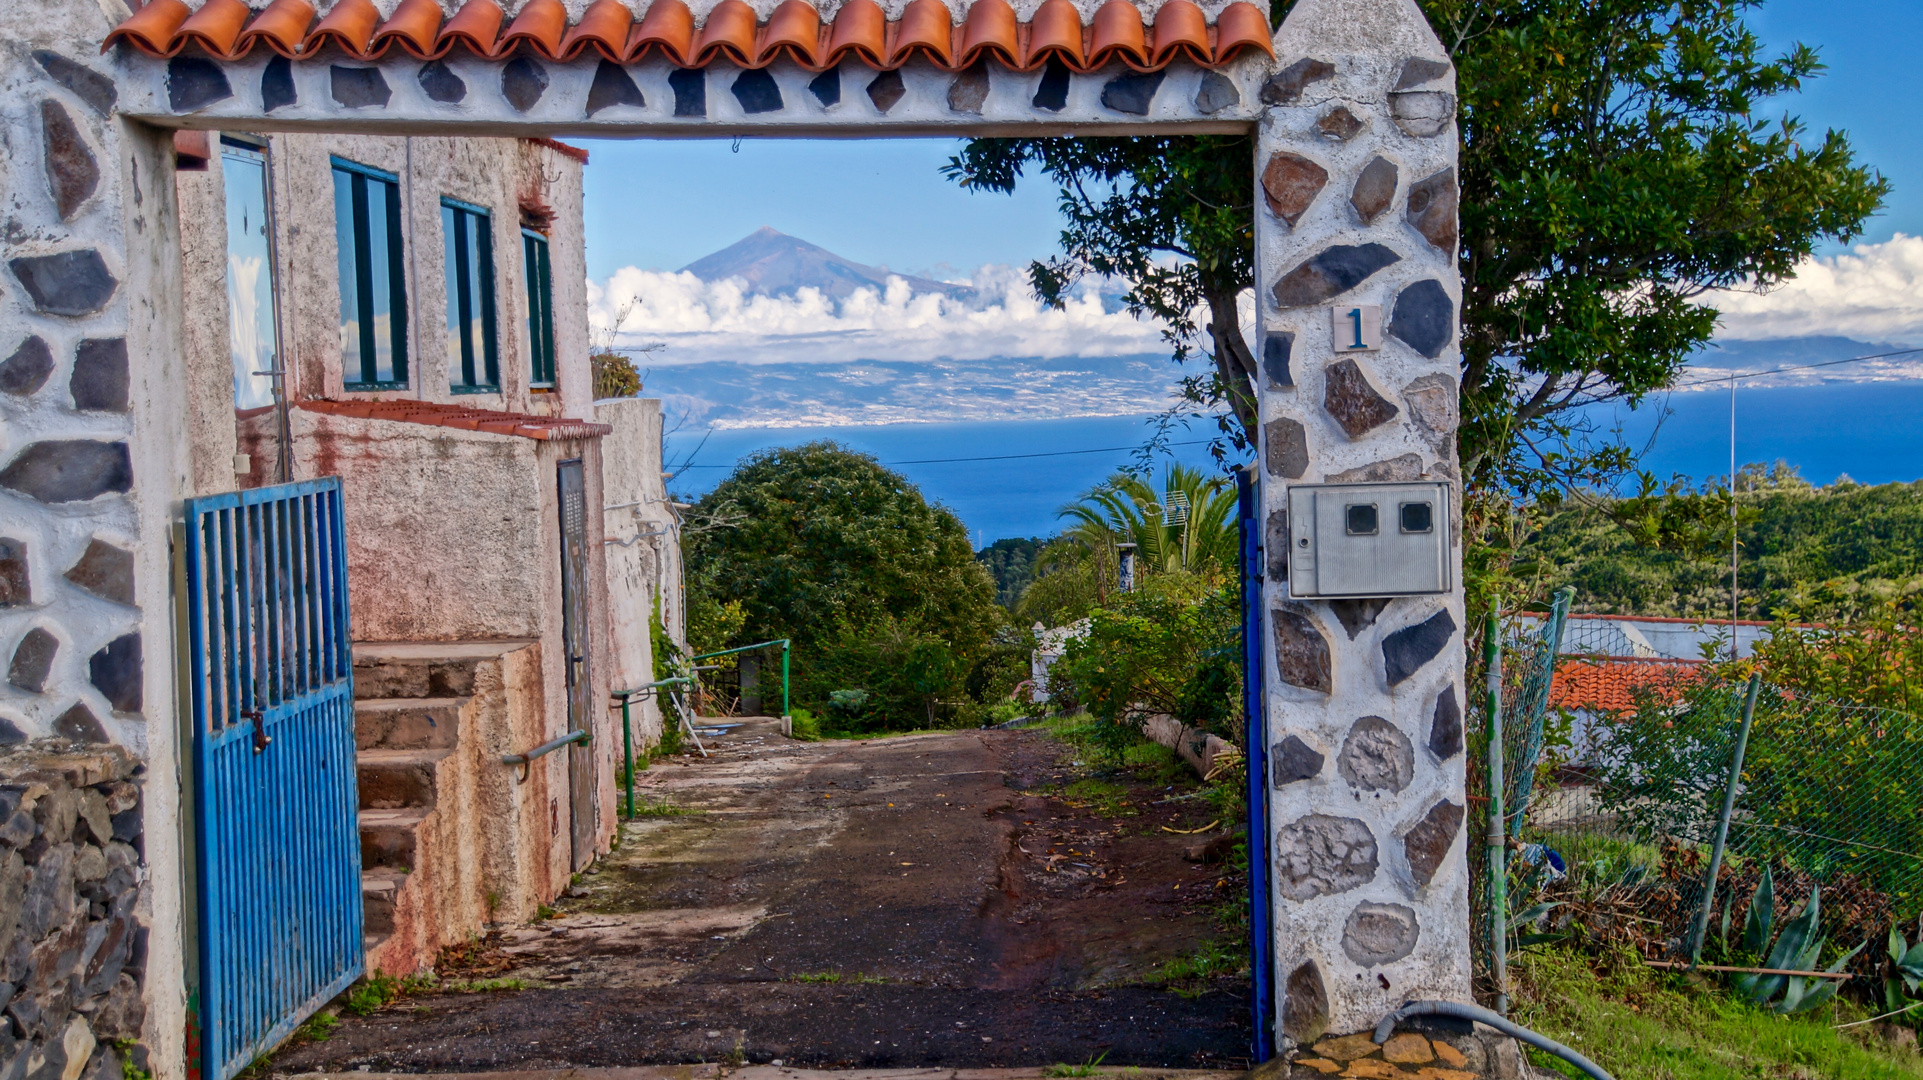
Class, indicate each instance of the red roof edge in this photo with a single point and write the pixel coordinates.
(578, 153)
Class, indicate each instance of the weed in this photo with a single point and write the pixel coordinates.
(493, 903)
(129, 1070)
(1086, 1068)
(804, 725)
(1105, 797)
(736, 1057)
(484, 986)
(372, 994)
(663, 808)
(816, 977)
(317, 1028)
(869, 980)
(542, 913)
(1213, 960)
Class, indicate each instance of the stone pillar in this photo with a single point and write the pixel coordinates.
(1355, 166)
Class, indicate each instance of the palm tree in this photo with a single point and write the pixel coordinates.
(1195, 531)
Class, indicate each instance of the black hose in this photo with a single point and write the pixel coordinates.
(1484, 1016)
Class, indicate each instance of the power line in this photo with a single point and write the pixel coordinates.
(1794, 367)
(1003, 457)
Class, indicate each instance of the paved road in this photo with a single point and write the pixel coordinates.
(920, 901)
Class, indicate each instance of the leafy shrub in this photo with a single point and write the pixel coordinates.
(1172, 646)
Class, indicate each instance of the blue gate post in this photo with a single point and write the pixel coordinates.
(1255, 745)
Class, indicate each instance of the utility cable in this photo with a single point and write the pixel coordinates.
(1794, 367)
(1007, 457)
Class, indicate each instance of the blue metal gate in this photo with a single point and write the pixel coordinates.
(277, 851)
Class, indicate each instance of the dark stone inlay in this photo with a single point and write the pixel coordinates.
(1276, 347)
(1293, 760)
(1357, 615)
(88, 85)
(32, 661)
(1445, 727)
(1405, 651)
(441, 84)
(1217, 92)
(1352, 401)
(1332, 272)
(69, 470)
(613, 86)
(1380, 933)
(1424, 318)
(277, 85)
(1301, 652)
(1340, 123)
(80, 724)
(1052, 93)
(1288, 84)
(72, 173)
(886, 90)
(1432, 209)
(690, 86)
(11, 735)
(16, 587)
(1417, 71)
(116, 672)
(523, 81)
(1305, 1005)
(1321, 855)
(757, 92)
(1276, 545)
(106, 571)
(1428, 843)
(969, 90)
(1376, 756)
(99, 380)
(1132, 93)
(195, 83)
(27, 369)
(1285, 448)
(1375, 189)
(70, 283)
(1290, 183)
(358, 87)
(826, 87)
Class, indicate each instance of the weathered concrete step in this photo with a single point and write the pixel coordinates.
(423, 669)
(388, 837)
(391, 779)
(406, 723)
(380, 887)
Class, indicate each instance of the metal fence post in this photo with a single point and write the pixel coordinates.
(1498, 832)
(1722, 821)
(784, 677)
(627, 750)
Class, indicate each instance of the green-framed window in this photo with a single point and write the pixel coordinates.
(367, 226)
(468, 234)
(540, 308)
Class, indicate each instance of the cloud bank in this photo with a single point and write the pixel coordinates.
(1872, 293)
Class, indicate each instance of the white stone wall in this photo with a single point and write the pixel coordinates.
(1356, 206)
(643, 551)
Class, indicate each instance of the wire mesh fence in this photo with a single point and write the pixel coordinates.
(1613, 805)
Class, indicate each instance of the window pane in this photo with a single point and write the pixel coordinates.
(474, 235)
(351, 360)
(379, 260)
(397, 289)
(540, 309)
(250, 277)
(457, 370)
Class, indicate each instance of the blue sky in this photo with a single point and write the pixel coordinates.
(884, 202)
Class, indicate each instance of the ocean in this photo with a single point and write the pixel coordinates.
(1011, 478)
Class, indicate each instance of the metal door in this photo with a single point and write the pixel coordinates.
(572, 485)
(277, 844)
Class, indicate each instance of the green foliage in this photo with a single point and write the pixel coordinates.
(614, 375)
(658, 808)
(1875, 658)
(1071, 580)
(131, 1071)
(316, 1028)
(1616, 163)
(804, 725)
(371, 994)
(1901, 978)
(1124, 509)
(1810, 553)
(1091, 1067)
(878, 590)
(816, 977)
(1172, 646)
(1797, 949)
(1012, 563)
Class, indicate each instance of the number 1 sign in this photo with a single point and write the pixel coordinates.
(1357, 328)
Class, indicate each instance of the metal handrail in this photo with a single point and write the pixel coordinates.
(783, 642)
(526, 761)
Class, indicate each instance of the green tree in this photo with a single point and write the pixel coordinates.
(1188, 525)
(1616, 166)
(878, 590)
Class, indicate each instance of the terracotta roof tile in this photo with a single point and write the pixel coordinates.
(229, 30)
(1611, 685)
(437, 414)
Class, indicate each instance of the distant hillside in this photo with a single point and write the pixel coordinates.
(1012, 561)
(775, 264)
(1795, 539)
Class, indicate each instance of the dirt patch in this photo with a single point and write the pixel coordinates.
(957, 899)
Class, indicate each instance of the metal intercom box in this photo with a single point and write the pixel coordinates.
(1370, 540)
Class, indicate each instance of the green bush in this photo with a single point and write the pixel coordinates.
(1172, 646)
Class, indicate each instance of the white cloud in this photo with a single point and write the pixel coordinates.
(702, 321)
(1872, 293)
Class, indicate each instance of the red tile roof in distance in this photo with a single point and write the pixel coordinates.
(229, 30)
(1611, 685)
(527, 426)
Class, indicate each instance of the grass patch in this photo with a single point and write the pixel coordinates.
(1086, 1068)
(317, 1028)
(804, 725)
(482, 986)
(663, 808)
(1639, 1024)
(1105, 797)
(816, 977)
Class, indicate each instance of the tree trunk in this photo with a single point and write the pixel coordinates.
(1235, 366)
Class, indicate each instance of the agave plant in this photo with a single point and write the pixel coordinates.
(1796, 949)
(1906, 971)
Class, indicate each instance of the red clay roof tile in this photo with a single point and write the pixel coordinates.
(731, 30)
(1612, 685)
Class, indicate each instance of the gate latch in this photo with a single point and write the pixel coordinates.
(261, 738)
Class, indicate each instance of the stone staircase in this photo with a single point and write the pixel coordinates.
(429, 720)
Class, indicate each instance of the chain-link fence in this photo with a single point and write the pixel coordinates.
(1614, 797)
